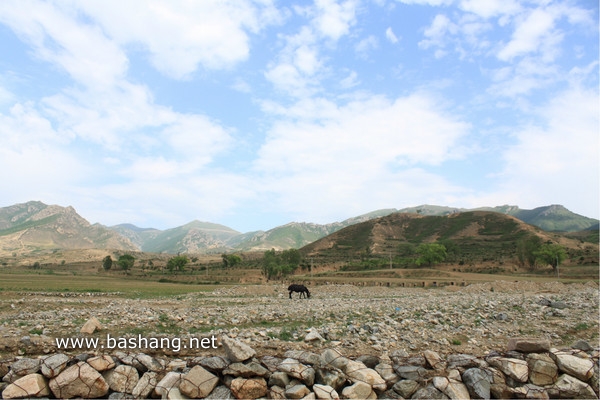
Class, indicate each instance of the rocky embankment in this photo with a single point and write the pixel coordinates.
(527, 369)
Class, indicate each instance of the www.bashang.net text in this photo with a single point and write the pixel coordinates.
(138, 342)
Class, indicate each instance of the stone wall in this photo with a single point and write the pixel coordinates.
(525, 368)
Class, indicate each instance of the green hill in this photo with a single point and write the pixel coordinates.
(555, 218)
(473, 236)
(549, 218)
(194, 237)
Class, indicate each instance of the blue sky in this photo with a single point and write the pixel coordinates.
(254, 114)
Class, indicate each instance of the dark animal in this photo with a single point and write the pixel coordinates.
(303, 290)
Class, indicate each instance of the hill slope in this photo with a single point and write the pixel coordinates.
(555, 218)
(472, 236)
(34, 226)
(549, 218)
(194, 237)
(296, 234)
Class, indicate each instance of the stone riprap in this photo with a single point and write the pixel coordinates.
(309, 375)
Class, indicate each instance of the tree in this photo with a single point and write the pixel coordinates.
(405, 249)
(430, 253)
(231, 260)
(276, 265)
(126, 261)
(177, 263)
(270, 263)
(453, 251)
(291, 257)
(552, 254)
(527, 250)
(107, 263)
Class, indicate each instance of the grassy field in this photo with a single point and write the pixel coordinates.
(87, 278)
(123, 286)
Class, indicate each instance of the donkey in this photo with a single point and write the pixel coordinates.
(303, 290)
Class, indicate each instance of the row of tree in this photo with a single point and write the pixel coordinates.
(127, 261)
(279, 264)
(533, 252)
(176, 263)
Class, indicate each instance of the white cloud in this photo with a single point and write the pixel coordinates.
(490, 8)
(306, 59)
(557, 160)
(436, 34)
(286, 77)
(389, 34)
(528, 35)
(36, 161)
(428, 2)
(350, 81)
(341, 156)
(241, 86)
(366, 45)
(522, 77)
(297, 64)
(196, 138)
(104, 128)
(181, 36)
(334, 19)
(163, 198)
(86, 56)
(299, 67)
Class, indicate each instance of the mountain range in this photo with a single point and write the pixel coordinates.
(35, 227)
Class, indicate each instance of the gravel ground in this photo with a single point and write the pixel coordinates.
(361, 320)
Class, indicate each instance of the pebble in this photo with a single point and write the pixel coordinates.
(403, 342)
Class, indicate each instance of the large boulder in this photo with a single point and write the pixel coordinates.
(145, 385)
(54, 365)
(451, 388)
(79, 380)
(297, 370)
(478, 382)
(237, 351)
(198, 382)
(32, 385)
(528, 345)
(252, 388)
(512, 367)
(542, 369)
(580, 368)
(122, 379)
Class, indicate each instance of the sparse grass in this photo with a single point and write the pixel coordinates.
(582, 326)
(518, 308)
(170, 327)
(163, 318)
(285, 335)
(136, 330)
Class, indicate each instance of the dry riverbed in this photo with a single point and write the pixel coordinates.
(474, 319)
